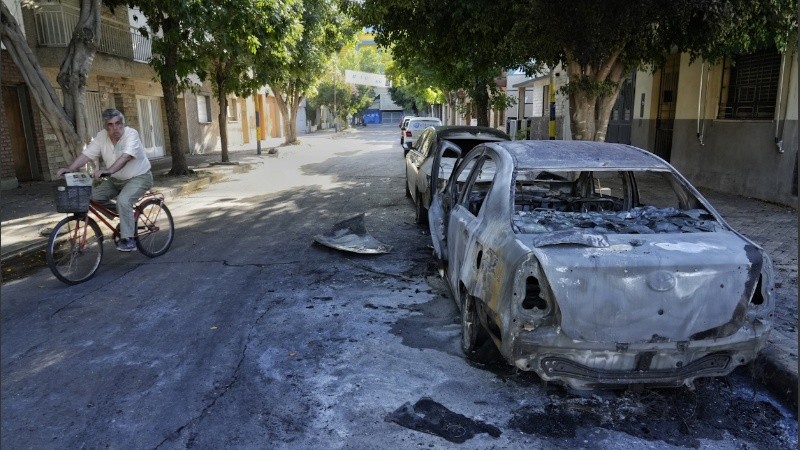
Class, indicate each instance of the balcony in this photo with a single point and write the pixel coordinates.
(56, 22)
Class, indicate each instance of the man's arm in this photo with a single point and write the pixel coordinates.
(79, 162)
(118, 164)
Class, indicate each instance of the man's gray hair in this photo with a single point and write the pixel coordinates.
(110, 113)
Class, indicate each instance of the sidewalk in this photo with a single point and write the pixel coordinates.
(25, 211)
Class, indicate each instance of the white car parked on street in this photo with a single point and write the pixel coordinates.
(415, 127)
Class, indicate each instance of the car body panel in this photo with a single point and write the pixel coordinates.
(586, 285)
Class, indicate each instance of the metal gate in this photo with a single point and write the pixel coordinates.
(151, 130)
(665, 119)
(619, 125)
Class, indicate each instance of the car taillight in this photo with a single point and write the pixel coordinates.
(533, 295)
(408, 133)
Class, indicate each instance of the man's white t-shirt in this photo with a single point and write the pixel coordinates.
(101, 147)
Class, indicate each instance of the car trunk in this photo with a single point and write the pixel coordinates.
(650, 288)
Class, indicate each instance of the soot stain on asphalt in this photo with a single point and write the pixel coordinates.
(716, 409)
(429, 416)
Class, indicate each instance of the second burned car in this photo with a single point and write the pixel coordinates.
(597, 264)
(452, 140)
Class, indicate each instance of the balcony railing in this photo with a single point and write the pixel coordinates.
(55, 24)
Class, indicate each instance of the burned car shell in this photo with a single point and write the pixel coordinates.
(458, 139)
(585, 307)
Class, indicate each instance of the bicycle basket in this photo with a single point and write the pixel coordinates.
(71, 199)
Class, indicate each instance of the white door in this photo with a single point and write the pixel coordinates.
(151, 132)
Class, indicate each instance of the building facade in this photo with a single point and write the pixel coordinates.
(120, 77)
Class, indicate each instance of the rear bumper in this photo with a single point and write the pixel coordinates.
(585, 365)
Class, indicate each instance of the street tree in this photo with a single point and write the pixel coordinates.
(600, 43)
(463, 44)
(236, 31)
(68, 119)
(414, 89)
(341, 97)
(174, 27)
(291, 77)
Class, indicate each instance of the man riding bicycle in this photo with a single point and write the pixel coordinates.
(126, 167)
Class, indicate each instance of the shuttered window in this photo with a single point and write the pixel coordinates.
(750, 86)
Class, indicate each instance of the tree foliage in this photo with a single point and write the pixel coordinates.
(351, 100)
(461, 44)
(598, 43)
(605, 41)
(292, 74)
(237, 34)
(175, 28)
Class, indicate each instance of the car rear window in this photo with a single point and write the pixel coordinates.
(600, 202)
(424, 123)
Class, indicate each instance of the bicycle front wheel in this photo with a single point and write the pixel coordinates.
(74, 249)
(154, 228)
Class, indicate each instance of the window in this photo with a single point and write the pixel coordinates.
(233, 110)
(750, 86)
(479, 185)
(204, 109)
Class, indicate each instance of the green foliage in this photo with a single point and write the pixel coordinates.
(422, 35)
(323, 30)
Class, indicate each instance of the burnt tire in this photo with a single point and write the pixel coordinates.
(473, 335)
(420, 212)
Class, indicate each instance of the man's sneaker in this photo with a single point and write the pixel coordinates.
(126, 245)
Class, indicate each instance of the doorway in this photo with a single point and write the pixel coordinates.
(665, 118)
(15, 102)
(152, 131)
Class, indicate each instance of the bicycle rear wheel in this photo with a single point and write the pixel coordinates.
(154, 228)
(74, 249)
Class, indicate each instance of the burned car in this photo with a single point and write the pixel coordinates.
(597, 265)
(452, 141)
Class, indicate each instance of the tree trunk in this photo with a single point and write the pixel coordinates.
(606, 103)
(288, 102)
(38, 85)
(76, 65)
(582, 112)
(169, 85)
(452, 101)
(480, 97)
(179, 166)
(223, 128)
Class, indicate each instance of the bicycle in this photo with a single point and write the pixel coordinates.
(75, 246)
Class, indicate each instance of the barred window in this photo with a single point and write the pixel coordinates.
(750, 86)
(204, 109)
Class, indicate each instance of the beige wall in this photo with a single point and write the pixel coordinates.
(735, 156)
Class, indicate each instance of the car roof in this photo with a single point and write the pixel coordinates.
(429, 119)
(470, 132)
(588, 155)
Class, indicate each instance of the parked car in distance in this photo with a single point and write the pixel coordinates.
(458, 140)
(415, 127)
(403, 124)
(597, 265)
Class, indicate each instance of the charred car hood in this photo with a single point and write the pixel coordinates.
(648, 288)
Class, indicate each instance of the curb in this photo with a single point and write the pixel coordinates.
(772, 369)
(169, 193)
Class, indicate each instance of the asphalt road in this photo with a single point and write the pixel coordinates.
(248, 335)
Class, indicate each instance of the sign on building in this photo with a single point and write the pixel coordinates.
(366, 78)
